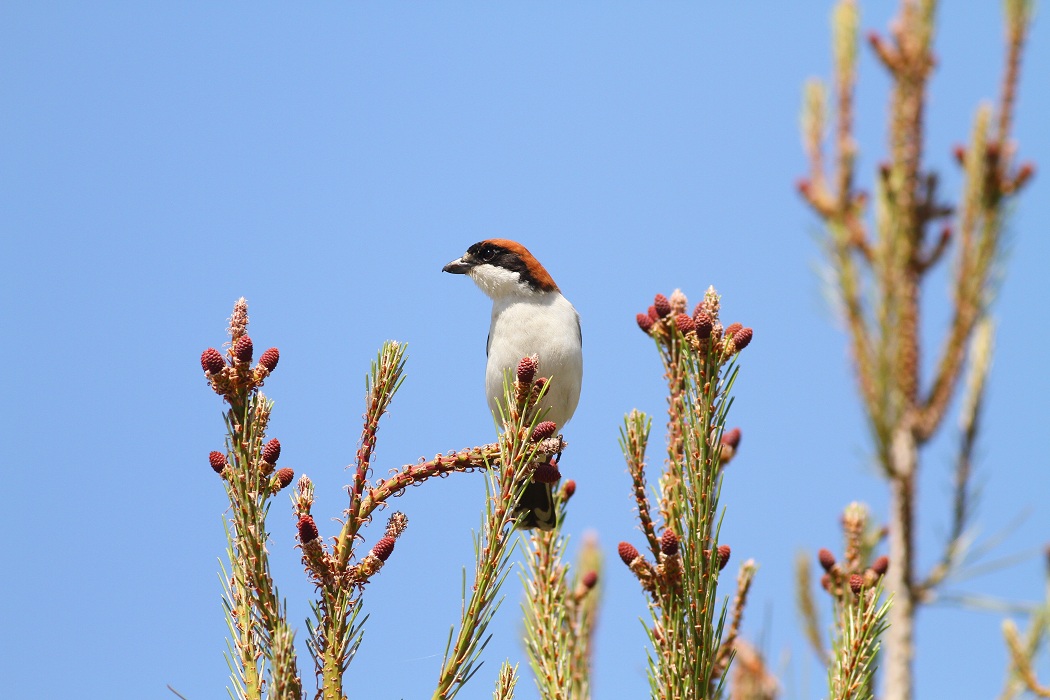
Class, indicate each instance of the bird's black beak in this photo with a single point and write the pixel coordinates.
(459, 266)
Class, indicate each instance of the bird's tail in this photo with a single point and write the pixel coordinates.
(537, 507)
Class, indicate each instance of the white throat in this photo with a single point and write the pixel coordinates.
(500, 283)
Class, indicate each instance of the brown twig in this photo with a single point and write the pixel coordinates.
(931, 257)
(1018, 19)
(980, 361)
(376, 496)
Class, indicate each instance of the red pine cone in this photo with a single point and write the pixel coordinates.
(272, 451)
(645, 322)
(652, 313)
(1024, 174)
(731, 329)
(880, 565)
(544, 430)
(627, 552)
(662, 305)
(684, 323)
(307, 529)
(945, 236)
(270, 358)
(546, 473)
(285, 477)
(856, 583)
(218, 461)
(384, 548)
(526, 370)
(724, 552)
(568, 489)
(211, 361)
(731, 438)
(669, 543)
(243, 348)
(742, 338)
(703, 323)
(589, 580)
(826, 559)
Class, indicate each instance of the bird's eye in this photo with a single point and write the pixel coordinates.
(487, 254)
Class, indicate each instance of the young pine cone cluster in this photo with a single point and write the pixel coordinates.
(667, 318)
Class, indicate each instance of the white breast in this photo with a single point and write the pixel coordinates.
(545, 325)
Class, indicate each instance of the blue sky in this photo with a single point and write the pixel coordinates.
(159, 160)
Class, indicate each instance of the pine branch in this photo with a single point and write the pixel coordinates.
(382, 383)
(494, 543)
(548, 625)
(262, 639)
(559, 618)
(686, 628)
(807, 608)
(508, 678)
(1022, 660)
(883, 323)
(856, 649)
(634, 437)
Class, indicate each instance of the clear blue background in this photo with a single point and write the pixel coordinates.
(159, 160)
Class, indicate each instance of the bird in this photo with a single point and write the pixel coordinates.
(529, 317)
